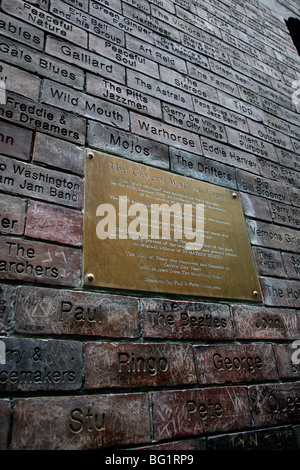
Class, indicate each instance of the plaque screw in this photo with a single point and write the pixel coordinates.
(234, 195)
(90, 277)
(255, 294)
(91, 155)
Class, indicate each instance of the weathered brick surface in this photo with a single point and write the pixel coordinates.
(138, 365)
(81, 422)
(202, 89)
(191, 412)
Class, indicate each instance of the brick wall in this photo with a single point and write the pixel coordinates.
(86, 368)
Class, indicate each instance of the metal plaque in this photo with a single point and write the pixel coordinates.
(149, 230)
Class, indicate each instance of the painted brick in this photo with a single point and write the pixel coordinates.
(54, 223)
(200, 411)
(4, 423)
(25, 260)
(36, 365)
(265, 323)
(66, 312)
(80, 423)
(185, 320)
(235, 363)
(275, 403)
(138, 365)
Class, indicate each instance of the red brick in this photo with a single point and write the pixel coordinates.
(265, 323)
(12, 215)
(54, 223)
(235, 363)
(275, 403)
(138, 365)
(80, 422)
(185, 320)
(28, 260)
(287, 357)
(198, 411)
(65, 312)
(4, 423)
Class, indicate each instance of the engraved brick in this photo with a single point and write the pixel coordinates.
(164, 133)
(206, 49)
(265, 323)
(58, 153)
(274, 137)
(225, 47)
(80, 423)
(287, 358)
(185, 320)
(275, 403)
(232, 75)
(251, 144)
(54, 223)
(6, 306)
(35, 365)
(15, 141)
(85, 105)
(195, 122)
(268, 262)
(206, 77)
(192, 412)
(99, 6)
(202, 21)
(256, 207)
(202, 168)
(42, 117)
(275, 191)
(242, 45)
(264, 67)
(273, 236)
(21, 31)
(156, 25)
(87, 22)
(220, 114)
(138, 365)
(235, 363)
(124, 144)
(159, 90)
(251, 72)
(280, 293)
(87, 60)
(4, 425)
(295, 196)
(48, 23)
(285, 214)
(277, 172)
(65, 312)
(40, 183)
(271, 439)
(42, 64)
(292, 265)
(184, 53)
(123, 57)
(12, 215)
(239, 106)
(129, 97)
(25, 260)
(228, 155)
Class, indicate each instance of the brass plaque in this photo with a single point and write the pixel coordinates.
(149, 230)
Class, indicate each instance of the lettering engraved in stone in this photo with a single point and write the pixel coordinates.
(40, 365)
